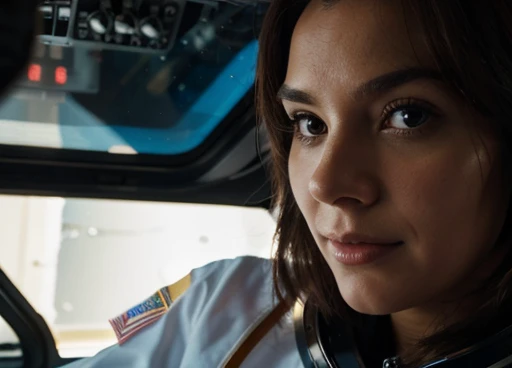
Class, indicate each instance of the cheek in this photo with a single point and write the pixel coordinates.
(450, 201)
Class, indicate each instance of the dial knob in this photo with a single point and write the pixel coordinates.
(100, 22)
(125, 24)
(151, 28)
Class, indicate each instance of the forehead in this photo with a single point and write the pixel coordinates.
(353, 41)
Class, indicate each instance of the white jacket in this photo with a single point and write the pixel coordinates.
(225, 301)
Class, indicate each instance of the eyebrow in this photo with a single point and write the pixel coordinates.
(375, 86)
(295, 95)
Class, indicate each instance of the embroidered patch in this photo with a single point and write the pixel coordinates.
(142, 315)
(149, 311)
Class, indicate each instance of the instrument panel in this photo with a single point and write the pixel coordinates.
(148, 26)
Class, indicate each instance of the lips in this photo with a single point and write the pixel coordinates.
(356, 249)
(354, 238)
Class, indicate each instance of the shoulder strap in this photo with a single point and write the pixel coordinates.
(256, 335)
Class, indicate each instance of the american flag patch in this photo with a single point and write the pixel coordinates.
(141, 315)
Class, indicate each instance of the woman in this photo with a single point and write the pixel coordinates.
(390, 126)
(401, 116)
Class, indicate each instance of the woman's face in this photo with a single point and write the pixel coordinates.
(398, 180)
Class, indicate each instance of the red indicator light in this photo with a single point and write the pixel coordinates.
(61, 75)
(34, 73)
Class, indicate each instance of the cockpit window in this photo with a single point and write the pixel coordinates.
(99, 96)
(82, 262)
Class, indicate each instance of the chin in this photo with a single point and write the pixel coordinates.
(372, 298)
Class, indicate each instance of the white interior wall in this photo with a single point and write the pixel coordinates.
(30, 229)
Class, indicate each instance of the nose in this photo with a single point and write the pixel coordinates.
(346, 173)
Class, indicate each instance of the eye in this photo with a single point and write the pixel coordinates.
(309, 125)
(407, 118)
(407, 114)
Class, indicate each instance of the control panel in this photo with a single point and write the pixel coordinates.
(129, 25)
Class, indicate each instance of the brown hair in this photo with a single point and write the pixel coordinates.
(471, 42)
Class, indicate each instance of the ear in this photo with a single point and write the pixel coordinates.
(18, 26)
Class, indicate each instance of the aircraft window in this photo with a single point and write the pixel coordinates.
(86, 96)
(9, 342)
(80, 262)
